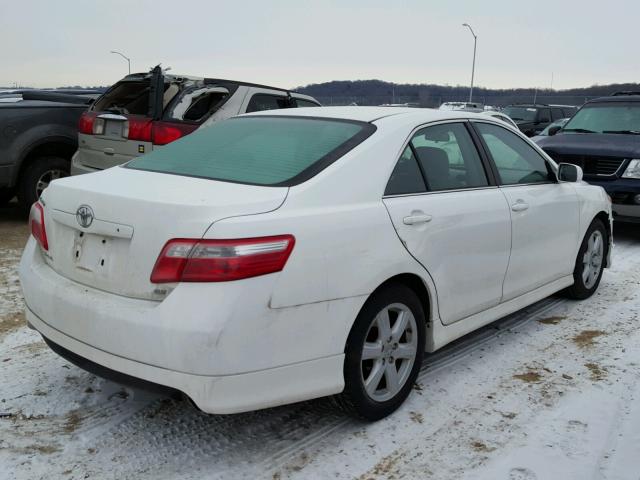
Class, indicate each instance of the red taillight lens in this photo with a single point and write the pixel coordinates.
(139, 128)
(85, 124)
(185, 260)
(164, 132)
(36, 220)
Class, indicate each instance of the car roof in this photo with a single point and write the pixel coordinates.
(205, 80)
(616, 99)
(371, 114)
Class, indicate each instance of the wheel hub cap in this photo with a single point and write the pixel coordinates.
(592, 259)
(389, 351)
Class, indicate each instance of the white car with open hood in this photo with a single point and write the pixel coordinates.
(283, 256)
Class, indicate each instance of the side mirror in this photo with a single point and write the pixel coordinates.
(553, 130)
(568, 172)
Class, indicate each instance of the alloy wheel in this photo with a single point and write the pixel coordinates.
(592, 259)
(389, 352)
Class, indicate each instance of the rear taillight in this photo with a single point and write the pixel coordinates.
(138, 128)
(165, 132)
(36, 221)
(186, 260)
(85, 124)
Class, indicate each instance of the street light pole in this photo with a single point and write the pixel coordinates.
(473, 66)
(125, 57)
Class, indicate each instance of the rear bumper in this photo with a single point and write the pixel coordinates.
(212, 394)
(89, 161)
(219, 344)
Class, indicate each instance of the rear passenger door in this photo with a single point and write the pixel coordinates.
(451, 218)
(544, 212)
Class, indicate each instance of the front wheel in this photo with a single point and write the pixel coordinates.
(590, 262)
(384, 353)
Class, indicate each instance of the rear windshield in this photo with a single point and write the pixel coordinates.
(260, 150)
(131, 97)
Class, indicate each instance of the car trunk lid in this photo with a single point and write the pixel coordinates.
(106, 230)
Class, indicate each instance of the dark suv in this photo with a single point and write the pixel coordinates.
(532, 118)
(603, 138)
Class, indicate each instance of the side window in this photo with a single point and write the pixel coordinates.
(305, 103)
(543, 115)
(568, 112)
(448, 158)
(406, 177)
(261, 101)
(556, 114)
(516, 161)
(202, 105)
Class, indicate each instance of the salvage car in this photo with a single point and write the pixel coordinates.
(282, 256)
(145, 111)
(603, 138)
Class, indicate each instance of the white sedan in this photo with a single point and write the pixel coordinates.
(294, 254)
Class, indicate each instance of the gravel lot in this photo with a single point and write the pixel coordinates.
(550, 392)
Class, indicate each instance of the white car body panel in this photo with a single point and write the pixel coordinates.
(468, 275)
(278, 338)
(110, 193)
(544, 236)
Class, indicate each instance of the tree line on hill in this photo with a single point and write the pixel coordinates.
(378, 92)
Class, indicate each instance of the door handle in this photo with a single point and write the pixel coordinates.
(109, 151)
(520, 206)
(416, 219)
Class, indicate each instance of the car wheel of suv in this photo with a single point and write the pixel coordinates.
(590, 262)
(384, 353)
(37, 177)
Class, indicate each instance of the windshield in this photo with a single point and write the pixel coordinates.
(606, 118)
(260, 150)
(521, 113)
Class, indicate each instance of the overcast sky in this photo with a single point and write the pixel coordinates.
(290, 43)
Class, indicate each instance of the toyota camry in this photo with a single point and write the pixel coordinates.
(283, 256)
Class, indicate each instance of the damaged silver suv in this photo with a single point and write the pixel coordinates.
(146, 110)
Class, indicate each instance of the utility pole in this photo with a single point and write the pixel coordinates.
(473, 65)
(125, 57)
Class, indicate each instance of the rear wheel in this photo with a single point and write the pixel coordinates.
(384, 353)
(590, 262)
(37, 177)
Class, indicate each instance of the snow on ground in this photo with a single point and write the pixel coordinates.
(550, 392)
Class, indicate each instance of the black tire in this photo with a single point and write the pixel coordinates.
(580, 290)
(354, 399)
(28, 184)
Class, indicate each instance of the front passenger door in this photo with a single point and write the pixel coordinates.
(544, 212)
(451, 219)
